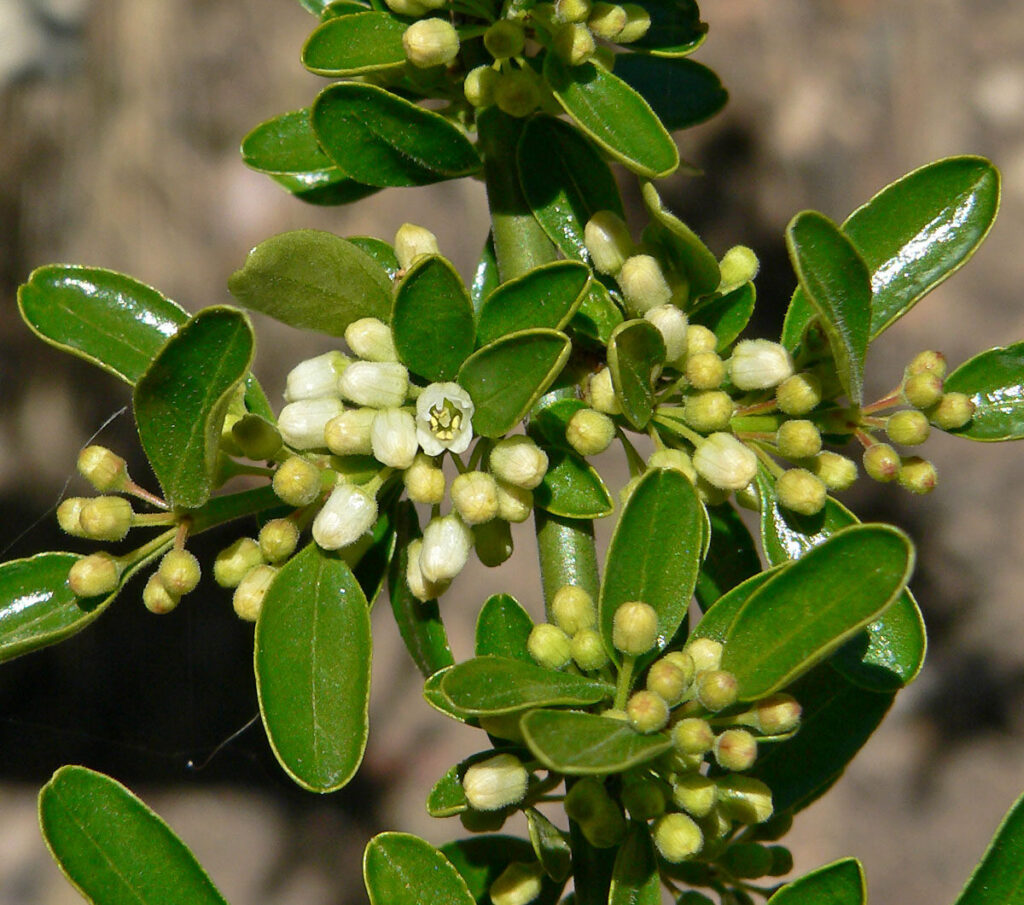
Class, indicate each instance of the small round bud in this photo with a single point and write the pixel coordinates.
(667, 681)
(590, 432)
(923, 390)
(179, 571)
(234, 562)
(634, 628)
(549, 646)
(683, 662)
(302, 423)
(716, 689)
(800, 491)
(601, 393)
(927, 362)
(393, 438)
(739, 265)
(256, 438)
(475, 497)
(643, 284)
(371, 339)
(446, 545)
(782, 861)
(248, 597)
(675, 460)
(744, 798)
(430, 42)
(106, 518)
(672, 324)
(411, 242)
(677, 837)
(747, 860)
(514, 503)
(95, 575)
(599, 817)
(759, 364)
(881, 462)
(799, 394)
(69, 514)
(105, 470)
(519, 461)
(517, 884)
(777, 714)
(638, 23)
(693, 736)
(705, 370)
(422, 589)
(504, 39)
(709, 411)
(735, 749)
(700, 339)
(706, 653)
(495, 783)
(156, 598)
(411, 8)
(836, 472)
(516, 92)
(424, 481)
(315, 377)
(348, 434)
(647, 712)
(379, 385)
(350, 511)
(917, 475)
(479, 86)
(644, 798)
(297, 482)
(278, 539)
(695, 794)
(573, 609)
(608, 241)
(574, 43)
(572, 10)
(798, 439)
(953, 411)
(725, 462)
(908, 428)
(587, 650)
(607, 20)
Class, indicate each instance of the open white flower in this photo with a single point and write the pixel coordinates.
(444, 419)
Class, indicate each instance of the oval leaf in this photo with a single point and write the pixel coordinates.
(312, 661)
(447, 798)
(113, 848)
(999, 878)
(717, 621)
(807, 611)
(400, 869)
(354, 44)
(727, 315)
(731, 557)
(381, 139)
(546, 296)
(503, 628)
(580, 744)
(572, 488)
(681, 93)
(636, 352)
(675, 30)
(550, 845)
(598, 315)
(683, 246)
(614, 115)
(106, 318)
(635, 876)
(994, 380)
(181, 400)
(841, 883)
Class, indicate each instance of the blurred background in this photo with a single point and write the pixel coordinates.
(119, 127)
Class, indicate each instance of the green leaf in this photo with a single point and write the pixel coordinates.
(731, 557)
(370, 557)
(654, 554)
(503, 628)
(106, 318)
(400, 869)
(718, 619)
(547, 296)
(181, 400)
(113, 848)
(380, 251)
(380, 139)
(447, 798)
(726, 315)
(635, 877)
(682, 245)
(613, 115)
(840, 883)
(316, 7)
(312, 662)
(994, 380)
(435, 698)
(682, 93)
(485, 277)
(580, 744)
(489, 686)
(355, 44)
(572, 185)
(999, 878)
(837, 284)
(506, 377)
(805, 612)
(550, 845)
(312, 280)
(481, 859)
(890, 652)
(676, 30)
(636, 353)
(597, 316)
(572, 488)
(432, 319)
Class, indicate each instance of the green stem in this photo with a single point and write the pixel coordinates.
(624, 682)
(567, 554)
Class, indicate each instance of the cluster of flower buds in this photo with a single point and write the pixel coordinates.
(248, 565)
(574, 27)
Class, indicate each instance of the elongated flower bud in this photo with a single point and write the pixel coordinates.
(917, 475)
(667, 681)
(95, 575)
(735, 749)
(257, 439)
(495, 783)
(446, 545)
(106, 518)
(776, 714)
(836, 472)
(375, 384)
(923, 390)
(572, 10)
(798, 439)
(607, 20)
(908, 428)
(716, 689)
(725, 462)
(393, 438)
(693, 736)
(315, 377)
(674, 459)
(234, 562)
(69, 516)
(105, 470)
(587, 650)
(349, 433)
(371, 340)
(599, 817)
(695, 794)
(705, 653)
(881, 462)
(422, 589)
(517, 884)
(744, 798)
(514, 503)
(412, 241)
(302, 423)
(574, 43)
(518, 460)
(608, 241)
(638, 23)
(800, 491)
(247, 600)
(758, 364)
(479, 86)
(953, 411)
(643, 284)
(739, 265)
(601, 393)
(350, 511)
(672, 324)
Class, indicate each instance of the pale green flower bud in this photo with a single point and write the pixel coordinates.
(587, 650)
(739, 265)
(693, 736)
(517, 93)
(302, 423)
(411, 8)
(247, 600)
(634, 628)
(643, 284)
(95, 575)
(549, 646)
(923, 390)
(777, 714)
(105, 470)
(667, 681)
(69, 514)
(700, 339)
(412, 242)
(836, 472)
(574, 43)
(927, 362)
(711, 410)
(371, 339)
(179, 571)
(705, 653)
(607, 20)
(917, 475)
(519, 461)
(505, 39)
(315, 377)
(278, 539)
(479, 86)
(646, 712)
(908, 428)
(475, 497)
(608, 241)
(704, 370)
(517, 884)
(424, 481)
(572, 10)
(106, 518)
(349, 433)
(599, 817)
(638, 23)
(430, 42)
(590, 432)
(379, 385)
(256, 438)
(800, 491)
(514, 503)
(601, 393)
(573, 609)
(798, 439)
(735, 749)
(350, 511)
(759, 364)
(444, 419)
(881, 462)
(675, 460)
(716, 689)
(677, 837)
(682, 661)
(446, 545)
(695, 794)
(422, 589)
(156, 598)
(297, 482)
(725, 462)
(234, 562)
(393, 438)
(672, 325)
(744, 798)
(799, 394)
(495, 783)
(644, 798)
(953, 411)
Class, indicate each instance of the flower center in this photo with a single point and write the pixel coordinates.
(445, 420)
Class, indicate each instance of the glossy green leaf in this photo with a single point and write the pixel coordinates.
(994, 380)
(597, 316)
(550, 845)
(316, 7)
(113, 848)
(486, 686)
(636, 352)
(840, 883)
(731, 557)
(355, 44)
(890, 652)
(682, 245)
(572, 185)
(837, 284)
(654, 554)
(312, 661)
(804, 613)
(312, 280)
(718, 619)
(613, 115)
(503, 628)
(435, 698)
(447, 798)
(485, 277)
(572, 488)
(547, 296)
(580, 744)
(400, 869)
(676, 30)
(505, 378)
(481, 859)
(432, 319)
(727, 315)
(337, 8)
(682, 93)
(106, 318)
(999, 877)
(181, 400)
(635, 876)
(370, 556)
(380, 251)
(381, 139)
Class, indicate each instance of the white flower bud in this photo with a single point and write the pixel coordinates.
(315, 377)
(248, 597)
(495, 783)
(424, 481)
(675, 459)
(411, 8)
(102, 468)
(601, 393)
(643, 284)
(700, 339)
(430, 42)
(371, 340)
(519, 461)
(444, 419)
(475, 497)
(393, 438)
(725, 462)
(350, 511)
(758, 364)
(446, 545)
(672, 325)
(348, 434)
(302, 423)
(412, 241)
(422, 589)
(514, 503)
(379, 385)
(608, 240)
